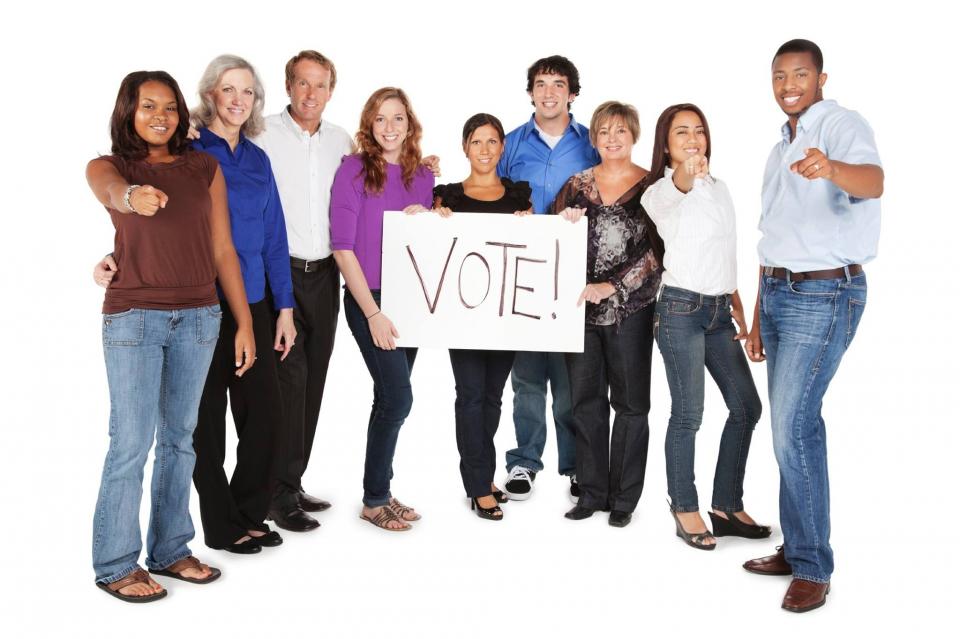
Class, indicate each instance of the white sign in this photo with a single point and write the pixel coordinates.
(484, 280)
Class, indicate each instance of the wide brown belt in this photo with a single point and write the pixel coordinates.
(826, 274)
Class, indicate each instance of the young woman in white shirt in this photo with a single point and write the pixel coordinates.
(694, 325)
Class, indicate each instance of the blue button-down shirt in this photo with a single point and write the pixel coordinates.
(526, 157)
(256, 217)
(811, 225)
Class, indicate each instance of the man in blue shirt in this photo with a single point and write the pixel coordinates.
(820, 222)
(545, 152)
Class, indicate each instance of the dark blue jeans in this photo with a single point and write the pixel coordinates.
(695, 331)
(613, 370)
(806, 328)
(480, 378)
(392, 400)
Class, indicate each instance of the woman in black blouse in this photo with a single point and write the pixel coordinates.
(623, 274)
(480, 374)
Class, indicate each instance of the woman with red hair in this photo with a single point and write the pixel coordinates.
(385, 175)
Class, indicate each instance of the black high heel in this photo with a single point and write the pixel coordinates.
(732, 526)
(694, 540)
(500, 496)
(493, 514)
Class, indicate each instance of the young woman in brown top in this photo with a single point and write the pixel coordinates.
(161, 322)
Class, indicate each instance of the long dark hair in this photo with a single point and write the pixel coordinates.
(123, 136)
(661, 138)
(374, 165)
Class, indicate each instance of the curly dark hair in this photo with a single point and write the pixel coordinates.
(557, 65)
(123, 136)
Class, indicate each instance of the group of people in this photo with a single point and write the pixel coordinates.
(264, 214)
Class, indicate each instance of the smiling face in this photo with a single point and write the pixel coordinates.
(796, 83)
(551, 96)
(233, 97)
(484, 149)
(614, 141)
(309, 93)
(390, 128)
(156, 117)
(687, 137)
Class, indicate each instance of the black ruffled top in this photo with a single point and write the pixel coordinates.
(516, 197)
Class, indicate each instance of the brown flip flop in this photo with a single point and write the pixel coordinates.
(173, 571)
(383, 518)
(138, 576)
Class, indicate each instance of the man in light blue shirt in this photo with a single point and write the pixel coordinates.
(820, 222)
(545, 152)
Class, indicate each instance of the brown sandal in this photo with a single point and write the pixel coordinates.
(138, 576)
(383, 518)
(173, 571)
(406, 513)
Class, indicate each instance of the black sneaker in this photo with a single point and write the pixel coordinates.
(574, 490)
(519, 484)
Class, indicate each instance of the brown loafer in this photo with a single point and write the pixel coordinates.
(803, 595)
(769, 565)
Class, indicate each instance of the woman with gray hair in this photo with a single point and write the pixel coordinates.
(233, 510)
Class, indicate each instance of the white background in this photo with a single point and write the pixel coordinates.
(547, 317)
(890, 411)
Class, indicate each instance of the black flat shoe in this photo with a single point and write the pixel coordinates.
(694, 540)
(295, 521)
(619, 518)
(270, 540)
(733, 527)
(493, 514)
(248, 547)
(579, 512)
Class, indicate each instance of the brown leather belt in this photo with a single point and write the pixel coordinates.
(298, 264)
(826, 274)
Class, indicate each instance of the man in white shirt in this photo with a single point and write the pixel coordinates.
(305, 152)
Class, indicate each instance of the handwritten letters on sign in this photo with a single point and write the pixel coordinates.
(482, 280)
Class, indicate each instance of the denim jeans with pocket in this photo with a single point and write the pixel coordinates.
(392, 401)
(531, 372)
(157, 362)
(695, 333)
(806, 328)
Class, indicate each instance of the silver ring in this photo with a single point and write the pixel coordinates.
(816, 166)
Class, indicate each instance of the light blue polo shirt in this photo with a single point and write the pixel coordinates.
(812, 225)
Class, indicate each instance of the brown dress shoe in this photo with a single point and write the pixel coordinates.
(803, 595)
(769, 565)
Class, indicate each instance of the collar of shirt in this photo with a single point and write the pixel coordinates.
(530, 128)
(208, 139)
(295, 128)
(809, 118)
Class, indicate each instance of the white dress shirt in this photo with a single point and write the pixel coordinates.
(304, 166)
(699, 231)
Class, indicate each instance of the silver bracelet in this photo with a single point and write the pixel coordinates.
(126, 198)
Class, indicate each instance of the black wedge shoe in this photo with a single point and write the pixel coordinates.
(493, 514)
(694, 540)
(733, 527)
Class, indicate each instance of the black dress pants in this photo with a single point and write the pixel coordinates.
(229, 508)
(480, 377)
(613, 370)
(303, 374)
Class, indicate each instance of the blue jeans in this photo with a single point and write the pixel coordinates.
(157, 362)
(392, 400)
(694, 332)
(806, 327)
(531, 371)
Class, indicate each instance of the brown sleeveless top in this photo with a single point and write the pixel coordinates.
(165, 261)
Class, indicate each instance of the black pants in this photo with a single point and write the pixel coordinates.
(480, 377)
(615, 360)
(303, 374)
(228, 509)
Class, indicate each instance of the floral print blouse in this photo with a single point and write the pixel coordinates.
(620, 247)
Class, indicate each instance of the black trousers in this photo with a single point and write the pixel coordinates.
(613, 370)
(480, 377)
(229, 508)
(303, 374)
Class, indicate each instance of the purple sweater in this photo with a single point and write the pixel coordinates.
(356, 217)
